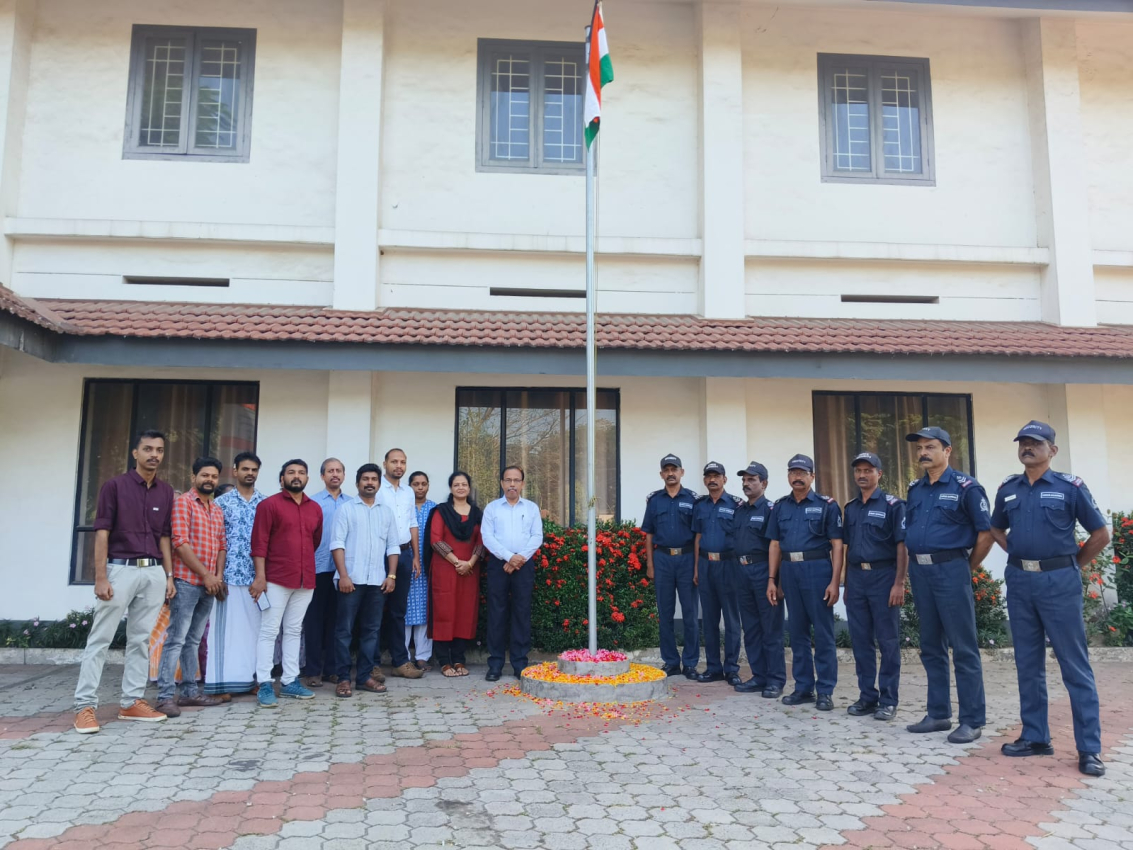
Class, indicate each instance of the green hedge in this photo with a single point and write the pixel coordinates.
(991, 613)
(69, 633)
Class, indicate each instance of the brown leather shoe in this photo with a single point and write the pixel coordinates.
(202, 701)
(313, 681)
(224, 697)
(141, 710)
(377, 673)
(85, 722)
(168, 707)
(373, 686)
(408, 671)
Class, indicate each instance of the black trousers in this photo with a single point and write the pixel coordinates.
(449, 651)
(318, 627)
(393, 621)
(509, 613)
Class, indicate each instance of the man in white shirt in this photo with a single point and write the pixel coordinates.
(399, 498)
(365, 549)
(512, 530)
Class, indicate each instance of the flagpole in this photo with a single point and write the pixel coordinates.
(591, 368)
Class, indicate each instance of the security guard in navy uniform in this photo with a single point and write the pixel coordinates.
(948, 534)
(806, 546)
(669, 565)
(713, 521)
(1034, 519)
(876, 566)
(762, 622)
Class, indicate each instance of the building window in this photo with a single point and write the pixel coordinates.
(530, 107)
(543, 431)
(848, 423)
(190, 94)
(198, 418)
(876, 119)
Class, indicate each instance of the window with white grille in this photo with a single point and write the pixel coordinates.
(530, 107)
(190, 93)
(876, 119)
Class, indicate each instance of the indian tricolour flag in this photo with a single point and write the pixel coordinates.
(599, 72)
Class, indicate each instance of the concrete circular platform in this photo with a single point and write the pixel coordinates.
(594, 668)
(597, 689)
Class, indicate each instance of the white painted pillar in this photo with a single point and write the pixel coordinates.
(357, 199)
(724, 430)
(1078, 417)
(350, 418)
(17, 20)
(721, 160)
(1058, 157)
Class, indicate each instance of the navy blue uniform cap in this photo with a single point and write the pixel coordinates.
(755, 468)
(1036, 431)
(930, 433)
(671, 460)
(800, 462)
(867, 457)
(713, 466)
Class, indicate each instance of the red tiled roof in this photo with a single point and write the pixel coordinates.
(405, 326)
(30, 311)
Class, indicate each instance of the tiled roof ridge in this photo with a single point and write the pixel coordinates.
(31, 310)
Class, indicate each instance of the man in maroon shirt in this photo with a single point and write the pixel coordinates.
(133, 576)
(285, 535)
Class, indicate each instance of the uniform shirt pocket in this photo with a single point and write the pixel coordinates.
(1057, 513)
(947, 512)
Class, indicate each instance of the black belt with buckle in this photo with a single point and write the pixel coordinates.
(1045, 565)
(754, 558)
(927, 558)
(716, 556)
(874, 565)
(672, 552)
(133, 562)
(809, 555)
(405, 547)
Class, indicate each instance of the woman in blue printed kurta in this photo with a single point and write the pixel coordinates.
(417, 611)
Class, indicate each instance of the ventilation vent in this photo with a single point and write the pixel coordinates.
(177, 281)
(537, 293)
(890, 299)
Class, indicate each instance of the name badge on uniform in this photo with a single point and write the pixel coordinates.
(878, 514)
(1008, 498)
(684, 505)
(1041, 496)
(756, 518)
(814, 510)
(949, 497)
(727, 511)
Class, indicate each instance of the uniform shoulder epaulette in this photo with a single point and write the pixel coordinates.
(891, 499)
(914, 483)
(739, 502)
(783, 498)
(1073, 479)
(651, 495)
(964, 480)
(702, 497)
(1010, 478)
(826, 498)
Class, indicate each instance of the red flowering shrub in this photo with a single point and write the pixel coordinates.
(627, 607)
(1123, 556)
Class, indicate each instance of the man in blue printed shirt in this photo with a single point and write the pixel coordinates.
(806, 543)
(1034, 520)
(669, 565)
(876, 566)
(714, 567)
(761, 620)
(948, 534)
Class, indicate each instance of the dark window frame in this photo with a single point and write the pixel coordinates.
(135, 86)
(486, 49)
(577, 399)
(76, 528)
(877, 174)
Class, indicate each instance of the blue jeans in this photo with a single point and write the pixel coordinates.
(1049, 605)
(509, 614)
(364, 605)
(715, 584)
(672, 579)
(804, 583)
(871, 618)
(762, 626)
(189, 613)
(947, 612)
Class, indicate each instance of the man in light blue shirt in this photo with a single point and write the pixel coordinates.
(319, 622)
(512, 530)
(364, 546)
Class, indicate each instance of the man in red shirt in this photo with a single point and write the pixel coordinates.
(285, 535)
(198, 563)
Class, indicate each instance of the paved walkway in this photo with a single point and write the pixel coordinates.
(444, 763)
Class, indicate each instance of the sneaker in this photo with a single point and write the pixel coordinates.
(140, 710)
(85, 722)
(295, 690)
(266, 696)
(408, 671)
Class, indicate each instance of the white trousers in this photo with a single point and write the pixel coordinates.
(288, 605)
(424, 643)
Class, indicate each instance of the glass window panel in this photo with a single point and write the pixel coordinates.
(885, 420)
(835, 436)
(510, 108)
(605, 456)
(849, 112)
(163, 92)
(538, 439)
(901, 121)
(479, 427)
(179, 411)
(106, 442)
(218, 92)
(233, 427)
(562, 108)
(952, 414)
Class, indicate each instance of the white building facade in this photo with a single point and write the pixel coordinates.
(331, 228)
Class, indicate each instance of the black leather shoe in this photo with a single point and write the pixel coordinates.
(492, 676)
(964, 734)
(930, 724)
(671, 669)
(772, 692)
(750, 687)
(710, 677)
(690, 673)
(1091, 764)
(1022, 748)
(824, 702)
(518, 671)
(885, 712)
(798, 698)
(862, 708)
(732, 679)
